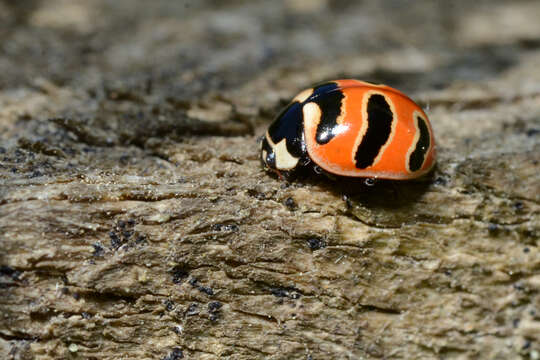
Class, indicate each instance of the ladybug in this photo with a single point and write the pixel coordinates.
(351, 128)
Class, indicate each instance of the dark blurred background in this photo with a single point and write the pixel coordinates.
(187, 47)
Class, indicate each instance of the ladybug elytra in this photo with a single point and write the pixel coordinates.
(351, 128)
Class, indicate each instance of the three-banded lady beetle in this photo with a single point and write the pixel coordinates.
(351, 128)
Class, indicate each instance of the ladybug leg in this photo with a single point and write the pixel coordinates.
(288, 175)
(285, 175)
(281, 177)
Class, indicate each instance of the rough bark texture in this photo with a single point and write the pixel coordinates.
(136, 221)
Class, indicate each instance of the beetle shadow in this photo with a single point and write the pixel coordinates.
(391, 195)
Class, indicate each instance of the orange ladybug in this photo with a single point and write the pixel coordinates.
(351, 128)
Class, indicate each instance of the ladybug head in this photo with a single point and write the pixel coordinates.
(283, 147)
(268, 156)
(277, 157)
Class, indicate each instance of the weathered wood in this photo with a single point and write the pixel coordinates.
(136, 221)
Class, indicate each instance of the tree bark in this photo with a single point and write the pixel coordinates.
(136, 221)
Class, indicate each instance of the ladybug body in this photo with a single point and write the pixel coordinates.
(351, 128)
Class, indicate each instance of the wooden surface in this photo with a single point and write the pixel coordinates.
(136, 221)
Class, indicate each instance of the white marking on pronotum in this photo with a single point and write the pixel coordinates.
(312, 116)
(303, 96)
(284, 160)
(312, 119)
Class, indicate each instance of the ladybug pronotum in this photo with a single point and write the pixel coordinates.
(351, 128)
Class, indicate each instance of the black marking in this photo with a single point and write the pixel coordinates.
(379, 118)
(289, 125)
(322, 89)
(422, 146)
(328, 97)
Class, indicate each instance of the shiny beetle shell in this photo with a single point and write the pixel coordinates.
(351, 128)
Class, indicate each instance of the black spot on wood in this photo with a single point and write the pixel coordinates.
(169, 305)
(179, 274)
(213, 310)
(204, 289)
(98, 250)
(122, 232)
(207, 290)
(379, 118)
(175, 354)
(8, 277)
(419, 153)
(9, 272)
(214, 306)
(290, 292)
(448, 272)
(225, 227)
(116, 242)
(382, 310)
(192, 310)
(257, 194)
(493, 229)
(86, 315)
(316, 243)
(290, 204)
